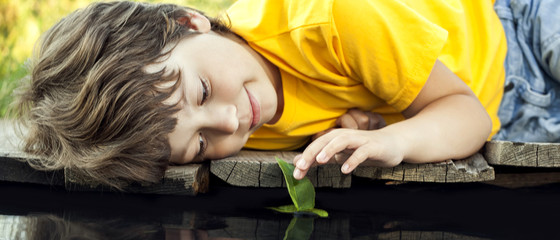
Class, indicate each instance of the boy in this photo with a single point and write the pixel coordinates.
(317, 67)
(120, 90)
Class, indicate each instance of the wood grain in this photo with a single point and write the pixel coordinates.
(523, 154)
(471, 169)
(260, 169)
(178, 180)
(188, 179)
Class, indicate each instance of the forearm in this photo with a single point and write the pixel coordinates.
(445, 121)
(452, 127)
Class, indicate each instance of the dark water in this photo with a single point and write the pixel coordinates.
(370, 210)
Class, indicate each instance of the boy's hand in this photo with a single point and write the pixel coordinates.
(380, 148)
(445, 121)
(356, 119)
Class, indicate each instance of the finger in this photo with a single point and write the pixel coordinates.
(301, 166)
(376, 121)
(301, 163)
(370, 155)
(337, 141)
(361, 118)
(319, 134)
(310, 154)
(357, 157)
(348, 121)
(299, 173)
(341, 157)
(296, 159)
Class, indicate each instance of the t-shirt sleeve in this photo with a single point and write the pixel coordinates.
(387, 46)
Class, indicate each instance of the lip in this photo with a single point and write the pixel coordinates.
(255, 109)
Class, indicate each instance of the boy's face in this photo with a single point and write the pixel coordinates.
(225, 95)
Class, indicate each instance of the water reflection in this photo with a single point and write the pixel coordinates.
(49, 226)
(30, 212)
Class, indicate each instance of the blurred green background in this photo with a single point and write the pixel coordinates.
(23, 21)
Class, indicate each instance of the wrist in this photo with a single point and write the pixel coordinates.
(400, 141)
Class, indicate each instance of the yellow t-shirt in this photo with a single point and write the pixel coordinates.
(375, 55)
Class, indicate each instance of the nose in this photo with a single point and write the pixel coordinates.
(223, 119)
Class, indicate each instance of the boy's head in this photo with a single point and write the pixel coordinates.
(90, 105)
(226, 92)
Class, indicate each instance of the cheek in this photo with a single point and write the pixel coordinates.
(228, 89)
(225, 147)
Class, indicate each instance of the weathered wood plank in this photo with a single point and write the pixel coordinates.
(179, 180)
(522, 154)
(471, 169)
(260, 169)
(18, 170)
(188, 179)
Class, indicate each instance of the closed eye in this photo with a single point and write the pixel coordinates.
(205, 90)
(201, 149)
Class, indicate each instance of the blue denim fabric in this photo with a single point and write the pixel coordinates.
(530, 109)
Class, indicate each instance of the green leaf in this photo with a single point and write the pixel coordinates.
(299, 228)
(284, 209)
(322, 213)
(292, 209)
(301, 191)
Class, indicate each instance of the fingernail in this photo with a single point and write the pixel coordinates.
(296, 159)
(297, 173)
(345, 168)
(300, 163)
(322, 157)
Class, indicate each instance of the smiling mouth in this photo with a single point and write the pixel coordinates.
(255, 110)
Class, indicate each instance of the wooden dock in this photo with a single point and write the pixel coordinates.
(533, 164)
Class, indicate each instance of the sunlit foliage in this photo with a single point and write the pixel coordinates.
(23, 21)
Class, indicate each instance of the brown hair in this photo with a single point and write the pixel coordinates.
(91, 106)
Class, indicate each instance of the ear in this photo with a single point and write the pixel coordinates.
(195, 21)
